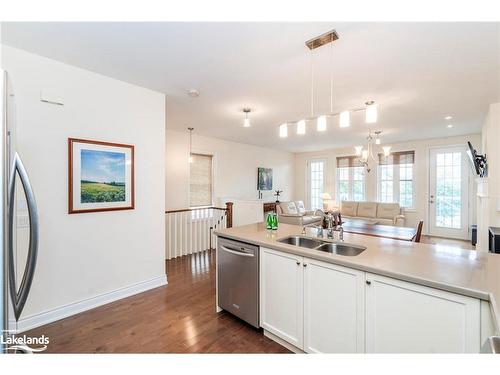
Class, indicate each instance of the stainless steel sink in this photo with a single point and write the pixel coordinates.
(328, 247)
(341, 249)
(300, 241)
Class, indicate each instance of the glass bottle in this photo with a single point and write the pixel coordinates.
(269, 221)
(275, 222)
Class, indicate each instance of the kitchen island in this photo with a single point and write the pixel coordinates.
(395, 296)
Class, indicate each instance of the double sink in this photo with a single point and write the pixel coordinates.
(327, 247)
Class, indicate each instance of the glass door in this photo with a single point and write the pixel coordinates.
(449, 193)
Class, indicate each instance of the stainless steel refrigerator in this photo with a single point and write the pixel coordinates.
(18, 219)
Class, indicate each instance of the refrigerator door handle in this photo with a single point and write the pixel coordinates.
(19, 297)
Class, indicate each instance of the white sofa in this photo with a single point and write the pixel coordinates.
(373, 212)
(294, 213)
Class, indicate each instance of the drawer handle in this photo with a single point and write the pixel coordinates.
(304, 265)
(368, 282)
(298, 263)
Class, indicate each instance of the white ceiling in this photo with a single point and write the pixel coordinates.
(417, 72)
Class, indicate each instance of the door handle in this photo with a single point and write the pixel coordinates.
(236, 252)
(431, 201)
(19, 298)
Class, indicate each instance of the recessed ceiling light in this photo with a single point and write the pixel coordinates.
(448, 118)
(193, 93)
(449, 126)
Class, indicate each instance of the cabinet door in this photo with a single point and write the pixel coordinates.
(281, 295)
(402, 317)
(334, 308)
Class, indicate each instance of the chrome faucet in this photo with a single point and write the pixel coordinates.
(339, 229)
(329, 228)
(319, 229)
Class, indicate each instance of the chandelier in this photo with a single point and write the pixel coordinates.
(344, 116)
(366, 157)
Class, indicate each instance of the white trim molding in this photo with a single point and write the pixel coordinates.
(65, 311)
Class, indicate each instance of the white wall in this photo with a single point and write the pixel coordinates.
(235, 168)
(83, 256)
(421, 172)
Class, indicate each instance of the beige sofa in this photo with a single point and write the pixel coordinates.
(295, 213)
(373, 212)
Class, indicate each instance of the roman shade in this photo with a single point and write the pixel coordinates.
(348, 161)
(395, 158)
(200, 180)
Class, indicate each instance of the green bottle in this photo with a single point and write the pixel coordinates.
(269, 221)
(275, 222)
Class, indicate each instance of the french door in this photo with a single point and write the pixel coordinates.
(449, 192)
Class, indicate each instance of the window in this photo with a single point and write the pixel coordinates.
(316, 183)
(200, 181)
(351, 182)
(395, 178)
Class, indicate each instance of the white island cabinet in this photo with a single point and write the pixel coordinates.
(403, 317)
(281, 295)
(319, 307)
(334, 308)
(315, 306)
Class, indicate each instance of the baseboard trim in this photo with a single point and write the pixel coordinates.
(65, 311)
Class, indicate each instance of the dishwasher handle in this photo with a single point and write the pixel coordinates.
(236, 252)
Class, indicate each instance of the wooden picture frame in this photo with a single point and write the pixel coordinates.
(100, 176)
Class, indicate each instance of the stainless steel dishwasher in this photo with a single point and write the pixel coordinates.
(238, 279)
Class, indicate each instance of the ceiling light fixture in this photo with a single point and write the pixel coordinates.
(366, 154)
(370, 108)
(301, 127)
(345, 119)
(193, 93)
(246, 121)
(190, 144)
(449, 126)
(283, 130)
(448, 118)
(371, 112)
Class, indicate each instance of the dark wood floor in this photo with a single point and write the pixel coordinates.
(177, 318)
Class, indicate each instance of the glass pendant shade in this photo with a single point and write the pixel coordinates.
(246, 123)
(344, 119)
(283, 130)
(359, 150)
(364, 155)
(371, 113)
(301, 127)
(387, 150)
(377, 141)
(321, 124)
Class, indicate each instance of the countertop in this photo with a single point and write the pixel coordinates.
(467, 272)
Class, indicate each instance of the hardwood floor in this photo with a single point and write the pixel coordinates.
(466, 245)
(177, 318)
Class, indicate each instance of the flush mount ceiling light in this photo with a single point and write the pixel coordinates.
(322, 120)
(190, 144)
(246, 121)
(193, 93)
(449, 126)
(448, 118)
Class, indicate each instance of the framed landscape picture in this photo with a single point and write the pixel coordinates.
(264, 178)
(101, 176)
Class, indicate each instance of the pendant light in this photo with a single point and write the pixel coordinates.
(371, 112)
(301, 127)
(246, 121)
(345, 119)
(190, 144)
(284, 130)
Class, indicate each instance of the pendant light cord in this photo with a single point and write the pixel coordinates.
(331, 77)
(312, 85)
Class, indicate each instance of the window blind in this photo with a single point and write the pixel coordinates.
(395, 158)
(348, 161)
(200, 180)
